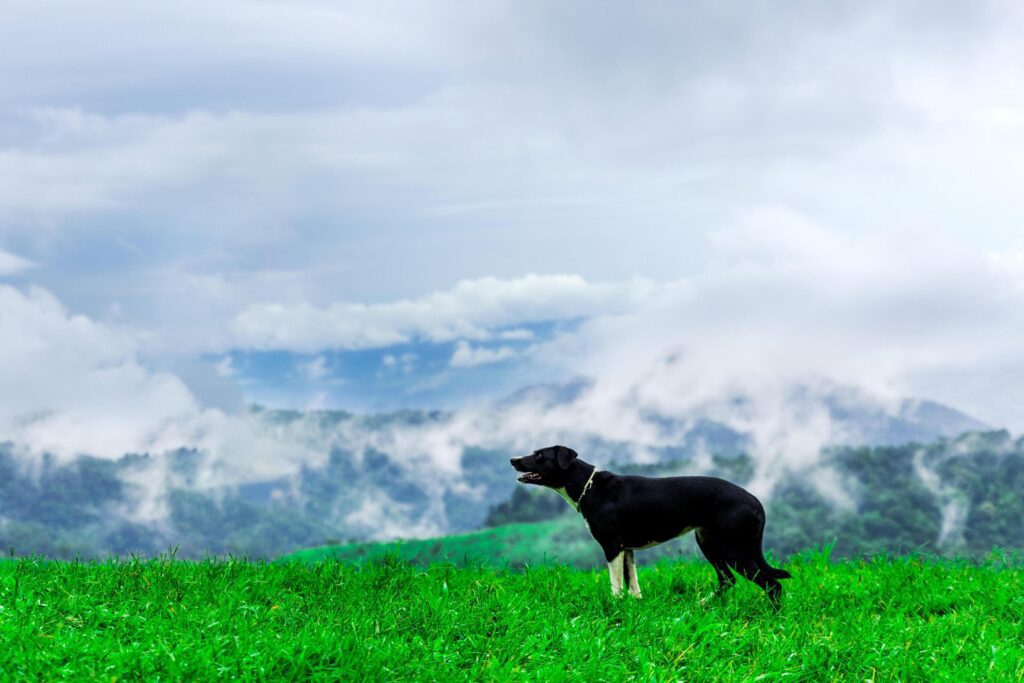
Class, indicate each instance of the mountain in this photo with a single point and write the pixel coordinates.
(339, 477)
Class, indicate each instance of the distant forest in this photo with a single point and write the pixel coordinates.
(954, 496)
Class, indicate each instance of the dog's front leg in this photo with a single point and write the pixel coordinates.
(615, 573)
(634, 583)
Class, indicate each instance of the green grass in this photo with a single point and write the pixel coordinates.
(899, 619)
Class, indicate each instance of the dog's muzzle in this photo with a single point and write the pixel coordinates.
(526, 475)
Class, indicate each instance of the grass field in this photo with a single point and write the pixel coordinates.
(905, 618)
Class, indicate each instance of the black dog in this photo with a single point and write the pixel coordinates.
(625, 513)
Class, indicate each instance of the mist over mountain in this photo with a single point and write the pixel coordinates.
(341, 476)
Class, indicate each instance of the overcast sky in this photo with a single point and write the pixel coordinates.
(203, 204)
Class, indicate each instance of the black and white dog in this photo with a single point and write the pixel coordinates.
(626, 513)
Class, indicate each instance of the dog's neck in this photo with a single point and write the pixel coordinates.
(581, 478)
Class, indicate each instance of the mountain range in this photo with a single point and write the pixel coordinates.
(339, 477)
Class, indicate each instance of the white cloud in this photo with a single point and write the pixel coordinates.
(11, 264)
(70, 385)
(506, 132)
(470, 310)
(789, 311)
(225, 367)
(466, 356)
(404, 363)
(519, 334)
(315, 370)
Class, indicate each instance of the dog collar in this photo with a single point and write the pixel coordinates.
(586, 487)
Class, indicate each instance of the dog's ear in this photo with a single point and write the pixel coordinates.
(565, 456)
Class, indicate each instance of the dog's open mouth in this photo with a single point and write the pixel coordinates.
(529, 476)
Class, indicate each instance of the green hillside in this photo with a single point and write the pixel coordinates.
(563, 541)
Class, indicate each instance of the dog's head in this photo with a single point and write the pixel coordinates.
(546, 467)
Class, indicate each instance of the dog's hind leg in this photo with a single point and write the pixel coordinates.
(634, 584)
(726, 580)
(616, 570)
(771, 587)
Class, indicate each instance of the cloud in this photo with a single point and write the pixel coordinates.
(516, 335)
(509, 133)
(225, 368)
(790, 313)
(469, 310)
(404, 363)
(785, 295)
(315, 370)
(466, 356)
(71, 385)
(11, 264)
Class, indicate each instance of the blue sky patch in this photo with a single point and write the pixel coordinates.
(413, 375)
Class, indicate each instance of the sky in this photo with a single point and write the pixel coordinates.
(384, 205)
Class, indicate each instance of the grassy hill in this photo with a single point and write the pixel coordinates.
(908, 618)
(512, 545)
